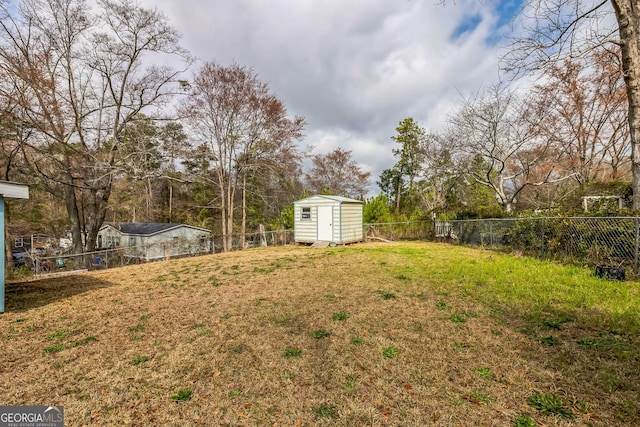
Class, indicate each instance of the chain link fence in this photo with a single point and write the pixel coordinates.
(259, 239)
(612, 241)
(596, 241)
(118, 256)
(52, 261)
(414, 230)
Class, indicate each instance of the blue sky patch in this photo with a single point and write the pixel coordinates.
(468, 25)
(506, 10)
(503, 11)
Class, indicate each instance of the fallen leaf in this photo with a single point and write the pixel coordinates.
(408, 386)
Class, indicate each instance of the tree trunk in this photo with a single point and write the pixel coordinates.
(243, 226)
(149, 198)
(96, 217)
(398, 190)
(223, 220)
(230, 206)
(226, 197)
(170, 201)
(628, 22)
(8, 242)
(74, 217)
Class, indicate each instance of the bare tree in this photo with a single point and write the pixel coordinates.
(174, 144)
(440, 175)
(496, 136)
(563, 29)
(585, 116)
(243, 129)
(336, 173)
(141, 162)
(81, 75)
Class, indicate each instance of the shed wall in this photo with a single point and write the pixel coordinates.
(306, 231)
(351, 225)
(347, 220)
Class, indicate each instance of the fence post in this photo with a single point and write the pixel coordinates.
(635, 255)
(490, 234)
(542, 238)
(433, 226)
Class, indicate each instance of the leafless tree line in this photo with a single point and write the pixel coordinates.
(100, 108)
(535, 148)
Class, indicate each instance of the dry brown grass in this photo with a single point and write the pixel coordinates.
(114, 346)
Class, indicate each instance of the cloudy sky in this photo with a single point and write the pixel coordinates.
(354, 69)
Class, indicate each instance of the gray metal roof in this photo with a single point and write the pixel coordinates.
(147, 228)
(339, 199)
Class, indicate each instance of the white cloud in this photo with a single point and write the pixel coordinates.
(353, 69)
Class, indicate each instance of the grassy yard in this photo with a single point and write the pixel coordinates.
(402, 334)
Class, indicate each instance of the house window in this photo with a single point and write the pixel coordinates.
(306, 214)
(113, 242)
(19, 243)
(132, 240)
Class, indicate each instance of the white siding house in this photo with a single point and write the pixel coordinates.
(150, 240)
(7, 190)
(328, 218)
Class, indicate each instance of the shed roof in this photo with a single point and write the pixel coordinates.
(148, 228)
(13, 189)
(339, 199)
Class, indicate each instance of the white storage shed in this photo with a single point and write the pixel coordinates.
(328, 219)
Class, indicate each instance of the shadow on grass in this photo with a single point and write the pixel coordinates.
(601, 349)
(23, 296)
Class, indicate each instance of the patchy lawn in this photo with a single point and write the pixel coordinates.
(395, 334)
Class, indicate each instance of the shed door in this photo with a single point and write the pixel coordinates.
(325, 223)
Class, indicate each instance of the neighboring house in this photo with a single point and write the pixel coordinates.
(332, 219)
(152, 240)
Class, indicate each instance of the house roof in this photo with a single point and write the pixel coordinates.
(147, 228)
(338, 199)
